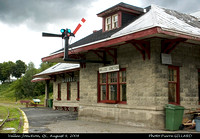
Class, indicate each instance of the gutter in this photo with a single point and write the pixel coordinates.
(180, 34)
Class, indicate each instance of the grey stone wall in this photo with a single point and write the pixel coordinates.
(147, 86)
(64, 102)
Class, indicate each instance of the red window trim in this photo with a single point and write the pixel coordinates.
(119, 15)
(78, 92)
(107, 89)
(177, 85)
(68, 91)
(59, 92)
(199, 86)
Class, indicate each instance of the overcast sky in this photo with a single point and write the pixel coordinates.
(23, 21)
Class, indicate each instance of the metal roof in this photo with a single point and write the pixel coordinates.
(58, 68)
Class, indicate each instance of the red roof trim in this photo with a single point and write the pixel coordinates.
(59, 55)
(124, 38)
(128, 37)
(117, 40)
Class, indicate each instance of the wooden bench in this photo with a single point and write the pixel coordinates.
(25, 101)
(66, 108)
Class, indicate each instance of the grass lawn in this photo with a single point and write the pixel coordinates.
(14, 121)
(3, 113)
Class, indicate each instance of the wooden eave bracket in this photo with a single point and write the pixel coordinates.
(70, 74)
(142, 46)
(167, 46)
(112, 52)
(101, 53)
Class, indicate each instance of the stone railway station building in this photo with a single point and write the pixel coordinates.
(141, 60)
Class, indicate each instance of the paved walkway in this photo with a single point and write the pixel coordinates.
(46, 120)
(40, 118)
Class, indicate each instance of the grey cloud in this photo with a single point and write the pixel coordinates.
(38, 13)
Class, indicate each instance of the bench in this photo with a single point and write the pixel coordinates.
(66, 108)
(25, 101)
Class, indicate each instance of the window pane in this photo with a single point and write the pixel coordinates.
(103, 92)
(172, 92)
(108, 20)
(172, 75)
(112, 77)
(169, 74)
(123, 92)
(103, 78)
(123, 76)
(108, 23)
(113, 92)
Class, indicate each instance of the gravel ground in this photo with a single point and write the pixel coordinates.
(46, 120)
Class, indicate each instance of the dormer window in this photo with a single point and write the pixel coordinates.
(114, 21)
(119, 15)
(111, 22)
(108, 23)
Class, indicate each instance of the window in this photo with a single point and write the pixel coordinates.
(108, 23)
(173, 85)
(111, 22)
(68, 91)
(112, 87)
(199, 84)
(78, 92)
(114, 21)
(112, 84)
(123, 85)
(59, 92)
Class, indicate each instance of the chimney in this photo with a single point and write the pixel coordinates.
(95, 31)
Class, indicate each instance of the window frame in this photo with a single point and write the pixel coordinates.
(108, 24)
(112, 22)
(177, 83)
(107, 84)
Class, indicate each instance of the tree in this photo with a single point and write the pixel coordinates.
(28, 86)
(20, 67)
(6, 70)
(1, 75)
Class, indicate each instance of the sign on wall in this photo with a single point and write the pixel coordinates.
(109, 69)
(166, 59)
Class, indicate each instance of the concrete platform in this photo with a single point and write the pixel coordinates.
(46, 120)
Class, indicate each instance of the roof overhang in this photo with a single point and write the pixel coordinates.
(119, 8)
(46, 75)
(40, 79)
(143, 34)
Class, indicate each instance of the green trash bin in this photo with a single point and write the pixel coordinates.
(50, 103)
(174, 116)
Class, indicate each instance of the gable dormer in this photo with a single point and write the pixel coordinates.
(119, 15)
